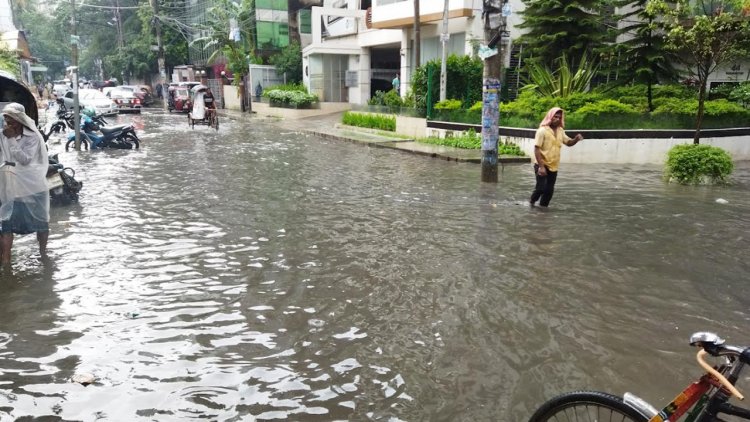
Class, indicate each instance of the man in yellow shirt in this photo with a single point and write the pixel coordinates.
(547, 143)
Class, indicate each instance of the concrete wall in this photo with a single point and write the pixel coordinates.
(265, 110)
(603, 150)
(232, 98)
(412, 127)
(635, 151)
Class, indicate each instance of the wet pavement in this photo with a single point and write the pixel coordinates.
(263, 273)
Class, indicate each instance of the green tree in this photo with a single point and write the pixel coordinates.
(289, 62)
(705, 34)
(238, 53)
(570, 27)
(9, 61)
(647, 60)
(562, 82)
(44, 33)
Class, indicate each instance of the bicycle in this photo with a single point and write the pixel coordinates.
(703, 400)
(210, 119)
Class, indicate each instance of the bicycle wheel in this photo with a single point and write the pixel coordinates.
(586, 406)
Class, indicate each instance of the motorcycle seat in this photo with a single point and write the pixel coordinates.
(113, 129)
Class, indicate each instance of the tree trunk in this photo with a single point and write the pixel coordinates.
(701, 108)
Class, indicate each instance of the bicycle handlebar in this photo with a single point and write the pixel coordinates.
(725, 382)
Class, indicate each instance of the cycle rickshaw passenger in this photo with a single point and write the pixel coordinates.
(204, 108)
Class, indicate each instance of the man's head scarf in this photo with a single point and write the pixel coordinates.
(550, 114)
(17, 112)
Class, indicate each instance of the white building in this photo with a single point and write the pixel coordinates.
(358, 46)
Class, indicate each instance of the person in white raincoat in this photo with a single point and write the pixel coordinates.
(199, 106)
(24, 195)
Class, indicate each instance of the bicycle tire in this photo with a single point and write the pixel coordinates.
(586, 406)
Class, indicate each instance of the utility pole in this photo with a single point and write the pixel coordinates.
(160, 52)
(443, 66)
(417, 35)
(74, 74)
(493, 65)
(118, 22)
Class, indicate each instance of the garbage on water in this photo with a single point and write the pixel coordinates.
(721, 201)
(83, 378)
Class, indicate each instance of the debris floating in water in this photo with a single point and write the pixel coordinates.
(84, 379)
(722, 201)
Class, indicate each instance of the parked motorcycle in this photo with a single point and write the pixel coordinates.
(63, 187)
(118, 137)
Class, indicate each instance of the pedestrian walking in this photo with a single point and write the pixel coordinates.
(396, 83)
(24, 195)
(547, 144)
(159, 91)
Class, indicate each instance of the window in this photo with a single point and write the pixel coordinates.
(272, 34)
(305, 22)
(271, 4)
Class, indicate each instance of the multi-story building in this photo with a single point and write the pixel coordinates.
(359, 46)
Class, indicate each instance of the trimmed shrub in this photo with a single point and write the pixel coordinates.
(448, 105)
(373, 121)
(590, 115)
(286, 87)
(698, 164)
(291, 99)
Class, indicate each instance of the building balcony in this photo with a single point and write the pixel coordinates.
(396, 14)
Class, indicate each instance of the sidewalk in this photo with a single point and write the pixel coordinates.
(329, 126)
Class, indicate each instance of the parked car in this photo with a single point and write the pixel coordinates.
(93, 98)
(125, 99)
(61, 87)
(141, 92)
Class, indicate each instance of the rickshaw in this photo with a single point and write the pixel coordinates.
(209, 118)
(178, 98)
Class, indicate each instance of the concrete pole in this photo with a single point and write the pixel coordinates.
(417, 36)
(443, 65)
(491, 92)
(74, 73)
(163, 79)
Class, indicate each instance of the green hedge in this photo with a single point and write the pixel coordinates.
(293, 99)
(373, 121)
(696, 164)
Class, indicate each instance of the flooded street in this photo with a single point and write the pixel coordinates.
(259, 273)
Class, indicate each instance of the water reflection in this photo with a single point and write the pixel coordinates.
(259, 272)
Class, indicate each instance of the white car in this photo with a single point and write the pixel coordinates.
(61, 87)
(93, 98)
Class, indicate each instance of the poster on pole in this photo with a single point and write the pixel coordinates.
(490, 114)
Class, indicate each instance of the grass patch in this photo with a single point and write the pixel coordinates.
(373, 121)
(472, 140)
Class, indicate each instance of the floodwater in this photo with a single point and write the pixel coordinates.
(259, 273)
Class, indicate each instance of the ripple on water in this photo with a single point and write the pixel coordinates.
(250, 273)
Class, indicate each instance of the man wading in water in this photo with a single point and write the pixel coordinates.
(547, 143)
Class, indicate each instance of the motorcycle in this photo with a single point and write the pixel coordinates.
(63, 187)
(118, 137)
